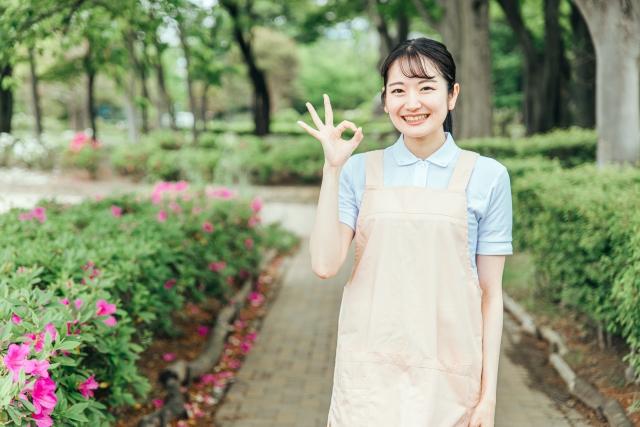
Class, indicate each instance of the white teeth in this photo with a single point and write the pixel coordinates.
(416, 118)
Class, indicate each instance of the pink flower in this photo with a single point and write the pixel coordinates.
(116, 211)
(169, 357)
(251, 336)
(217, 266)
(16, 319)
(78, 303)
(39, 214)
(248, 243)
(196, 210)
(110, 321)
(256, 204)
(256, 298)
(157, 403)
(207, 227)
(24, 216)
(208, 379)
(42, 419)
(104, 308)
(203, 330)
(37, 367)
(37, 340)
(220, 193)
(64, 301)
(170, 283)
(86, 387)
(16, 358)
(51, 330)
(162, 216)
(245, 347)
(240, 324)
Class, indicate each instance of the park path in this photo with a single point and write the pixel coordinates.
(286, 379)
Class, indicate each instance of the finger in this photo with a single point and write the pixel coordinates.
(328, 112)
(311, 131)
(314, 116)
(357, 137)
(346, 124)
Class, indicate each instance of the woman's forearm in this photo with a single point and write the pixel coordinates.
(325, 241)
(492, 315)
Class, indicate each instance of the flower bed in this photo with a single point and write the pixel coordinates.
(87, 287)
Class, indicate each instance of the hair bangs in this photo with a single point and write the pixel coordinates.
(413, 65)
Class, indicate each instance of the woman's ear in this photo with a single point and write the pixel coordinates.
(453, 96)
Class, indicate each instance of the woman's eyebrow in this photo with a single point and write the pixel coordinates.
(428, 80)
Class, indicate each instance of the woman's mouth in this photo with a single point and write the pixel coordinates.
(415, 119)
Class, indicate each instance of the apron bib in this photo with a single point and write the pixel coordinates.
(409, 346)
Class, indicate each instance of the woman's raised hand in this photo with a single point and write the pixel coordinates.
(336, 150)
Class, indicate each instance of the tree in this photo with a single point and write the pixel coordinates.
(545, 69)
(464, 27)
(615, 29)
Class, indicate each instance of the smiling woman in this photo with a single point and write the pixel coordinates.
(421, 315)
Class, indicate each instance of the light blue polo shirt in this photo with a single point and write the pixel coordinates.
(489, 211)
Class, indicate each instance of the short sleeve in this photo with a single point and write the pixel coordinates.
(494, 228)
(347, 204)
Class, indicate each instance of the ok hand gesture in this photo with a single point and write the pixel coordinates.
(336, 150)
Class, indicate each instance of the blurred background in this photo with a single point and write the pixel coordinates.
(98, 95)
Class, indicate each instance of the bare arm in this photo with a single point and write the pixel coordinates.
(490, 268)
(330, 239)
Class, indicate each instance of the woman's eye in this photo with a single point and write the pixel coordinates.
(396, 91)
(426, 88)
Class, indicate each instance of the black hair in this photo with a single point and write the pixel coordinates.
(409, 52)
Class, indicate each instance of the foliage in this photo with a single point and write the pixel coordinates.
(95, 282)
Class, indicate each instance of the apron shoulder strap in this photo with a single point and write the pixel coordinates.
(374, 164)
(462, 172)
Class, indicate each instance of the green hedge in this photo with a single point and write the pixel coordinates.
(582, 227)
(144, 256)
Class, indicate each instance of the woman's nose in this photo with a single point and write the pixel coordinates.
(412, 101)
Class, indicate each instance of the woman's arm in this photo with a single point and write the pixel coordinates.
(330, 239)
(490, 268)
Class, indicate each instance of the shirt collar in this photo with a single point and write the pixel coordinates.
(441, 157)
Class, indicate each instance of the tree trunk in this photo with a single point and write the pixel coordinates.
(162, 88)
(204, 106)
(35, 96)
(91, 77)
(473, 114)
(261, 97)
(6, 99)
(615, 30)
(544, 76)
(192, 99)
(583, 87)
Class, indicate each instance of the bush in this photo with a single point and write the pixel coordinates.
(90, 285)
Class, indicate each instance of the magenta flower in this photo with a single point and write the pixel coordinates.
(110, 321)
(39, 368)
(248, 243)
(207, 227)
(44, 396)
(51, 330)
(170, 283)
(162, 216)
(39, 214)
(169, 357)
(86, 387)
(220, 193)
(16, 319)
(176, 208)
(217, 266)
(64, 301)
(245, 347)
(253, 221)
(251, 336)
(256, 298)
(42, 419)
(16, 358)
(256, 204)
(209, 379)
(157, 403)
(24, 216)
(104, 308)
(196, 210)
(116, 211)
(78, 303)
(203, 330)
(37, 340)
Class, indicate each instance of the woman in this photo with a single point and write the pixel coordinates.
(421, 315)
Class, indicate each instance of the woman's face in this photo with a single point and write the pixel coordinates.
(418, 106)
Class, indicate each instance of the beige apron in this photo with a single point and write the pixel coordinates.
(409, 348)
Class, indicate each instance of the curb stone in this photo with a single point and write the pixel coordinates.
(608, 408)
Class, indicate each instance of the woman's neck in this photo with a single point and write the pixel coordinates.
(425, 146)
